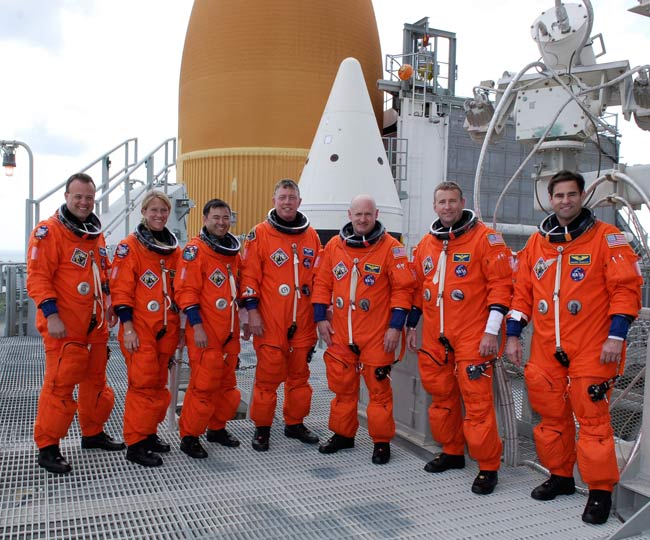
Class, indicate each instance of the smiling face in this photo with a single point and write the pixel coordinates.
(363, 215)
(566, 201)
(286, 201)
(155, 215)
(80, 199)
(449, 205)
(217, 222)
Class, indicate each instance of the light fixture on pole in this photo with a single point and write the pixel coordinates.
(8, 158)
(8, 151)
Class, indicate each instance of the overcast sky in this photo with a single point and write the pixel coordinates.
(80, 76)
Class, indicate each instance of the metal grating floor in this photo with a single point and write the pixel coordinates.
(291, 492)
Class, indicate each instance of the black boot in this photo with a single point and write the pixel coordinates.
(300, 432)
(443, 462)
(381, 453)
(554, 486)
(485, 482)
(223, 437)
(50, 458)
(192, 447)
(261, 438)
(598, 506)
(335, 443)
(141, 454)
(102, 440)
(156, 444)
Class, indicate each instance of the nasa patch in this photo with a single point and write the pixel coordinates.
(279, 257)
(340, 270)
(427, 266)
(307, 252)
(122, 250)
(217, 277)
(102, 252)
(541, 266)
(189, 253)
(306, 263)
(369, 280)
(578, 274)
(41, 232)
(149, 279)
(461, 270)
(79, 257)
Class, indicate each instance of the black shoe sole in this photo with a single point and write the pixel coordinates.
(330, 450)
(551, 496)
(311, 440)
(232, 443)
(108, 448)
(194, 455)
(57, 469)
(145, 463)
(443, 469)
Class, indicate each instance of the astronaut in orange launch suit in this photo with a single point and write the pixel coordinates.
(579, 283)
(206, 291)
(276, 284)
(67, 277)
(143, 295)
(464, 289)
(366, 273)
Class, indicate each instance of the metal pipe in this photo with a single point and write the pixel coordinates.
(490, 130)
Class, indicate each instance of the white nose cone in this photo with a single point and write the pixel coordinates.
(347, 158)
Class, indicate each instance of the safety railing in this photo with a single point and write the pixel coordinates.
(155, 168)
(125, 154)
(154, 177)
(397, 153)
(13, 299)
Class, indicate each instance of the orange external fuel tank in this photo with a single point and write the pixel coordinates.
(254, 81)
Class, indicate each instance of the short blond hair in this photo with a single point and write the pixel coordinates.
(156, 194)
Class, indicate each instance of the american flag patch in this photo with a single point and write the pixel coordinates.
(615, 240)
(495, 239)
(399, 252)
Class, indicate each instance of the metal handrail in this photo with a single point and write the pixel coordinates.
(153, 179)
(14, 293)
(104, 159)
(121, 178)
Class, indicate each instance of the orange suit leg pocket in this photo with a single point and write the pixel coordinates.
(480, 424)
(343, 380)
(206, 372)
(555, 434)
(445, 413)
(73, 364)
(381, 424)
(271, 370)
(595, 447)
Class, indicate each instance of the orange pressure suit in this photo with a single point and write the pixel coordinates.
(71, 268)
(207, 284)
(365, 281)
(599, 278)
(142, 280)
(277, 277)
(475, 279)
